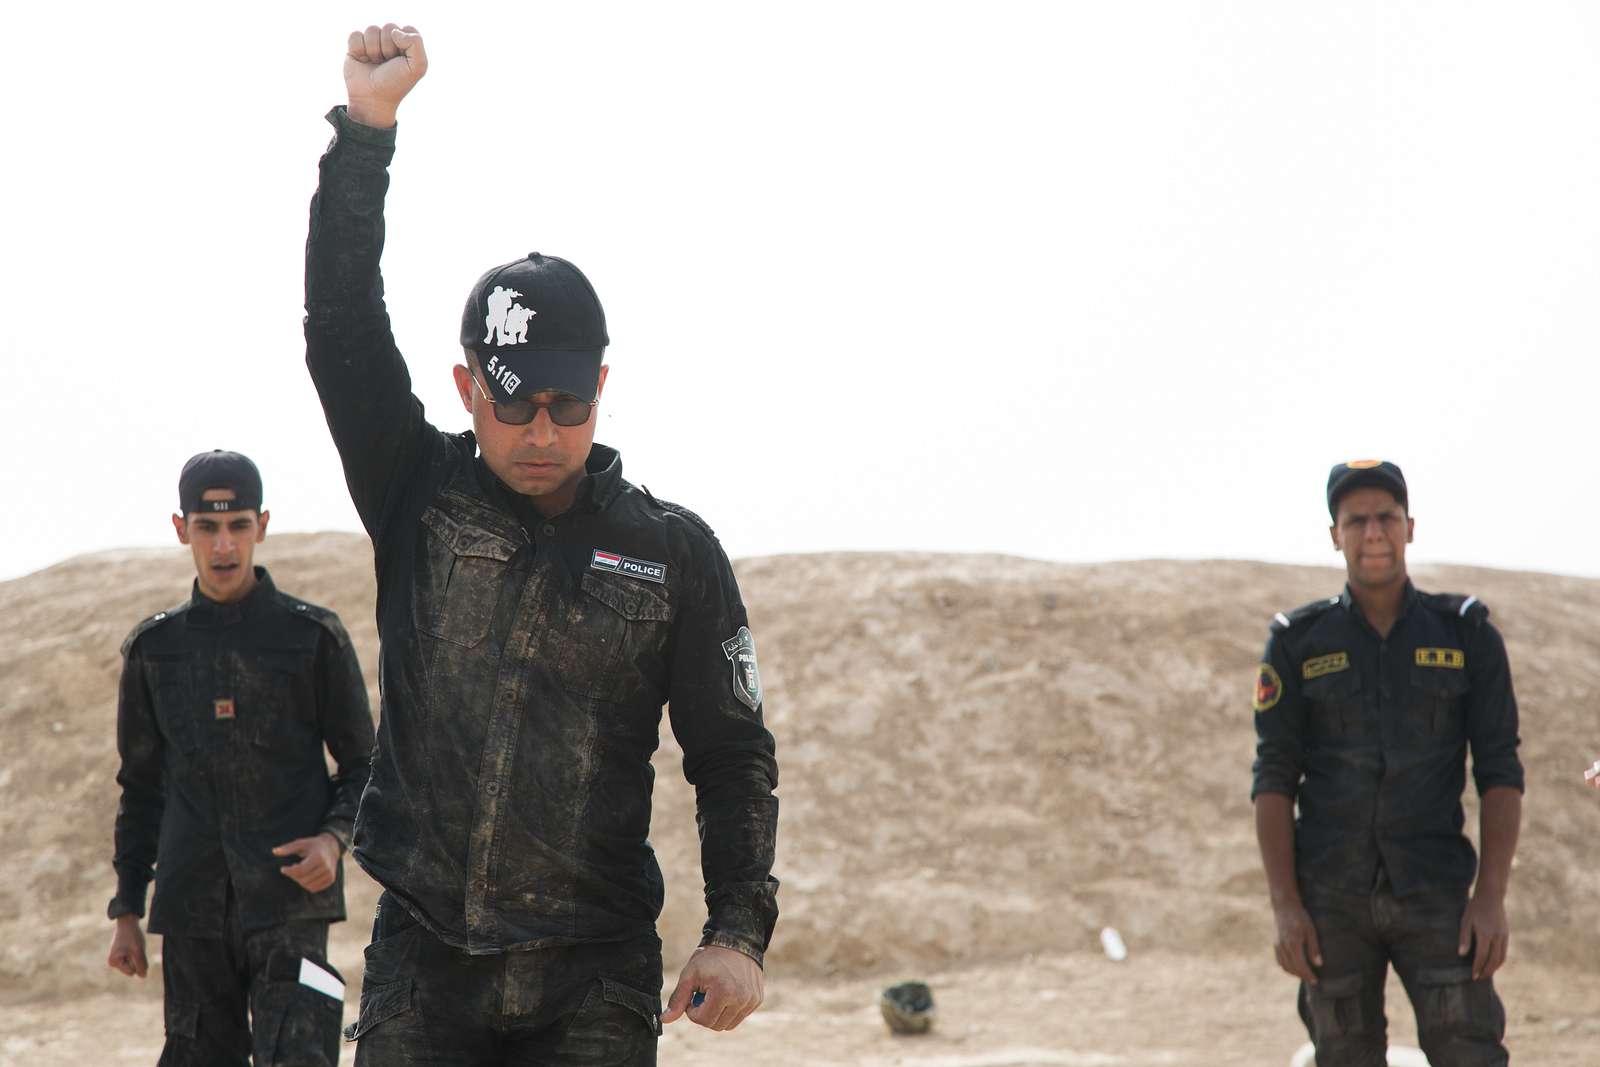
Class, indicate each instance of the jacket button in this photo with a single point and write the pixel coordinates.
(493, 789)
(549, 529)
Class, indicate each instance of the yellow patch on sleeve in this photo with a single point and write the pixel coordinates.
(1453, 658)
(1332, 663)
(1269, 687)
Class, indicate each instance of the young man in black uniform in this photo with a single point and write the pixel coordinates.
(226, 703)
(536, 610)
(1366, 706)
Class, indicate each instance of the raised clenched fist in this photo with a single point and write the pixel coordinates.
(381, 65)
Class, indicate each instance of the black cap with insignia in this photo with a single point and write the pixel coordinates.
(219, 470)
(536, 324)
(1362, 474)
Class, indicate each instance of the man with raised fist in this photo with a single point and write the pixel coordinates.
(536, 611)
(226, 704)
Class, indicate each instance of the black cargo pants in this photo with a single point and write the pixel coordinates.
(1460, 1022)
(427, 1004)
(210, 983)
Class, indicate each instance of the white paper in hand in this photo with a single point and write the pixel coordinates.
(320, 980)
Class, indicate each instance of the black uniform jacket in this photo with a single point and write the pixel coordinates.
(222, 716)
(525, 660)
(1371, 735)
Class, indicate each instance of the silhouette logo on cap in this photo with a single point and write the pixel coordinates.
(505, 319)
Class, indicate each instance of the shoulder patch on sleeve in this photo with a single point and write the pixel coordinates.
(1269, 687)
(324, 617)
(1299, 616)
(151, 623)
(1457, 605)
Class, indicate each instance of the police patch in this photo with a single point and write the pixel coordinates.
(616, 563)
(741, 652)
(1269, 687)
(1332, 663)
(1453, 658)
(222, 708)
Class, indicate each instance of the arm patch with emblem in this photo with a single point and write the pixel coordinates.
(741, 652)
(1269, 687)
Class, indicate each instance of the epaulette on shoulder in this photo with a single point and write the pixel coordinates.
(327, 619)
(145, 625)
(677, 509)
(1302, 614)
(1457, 605)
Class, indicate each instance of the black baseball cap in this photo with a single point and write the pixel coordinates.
(219, 470)
(536, 324)
(1364, 473)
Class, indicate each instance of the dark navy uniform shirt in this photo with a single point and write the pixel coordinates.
(222, 717)
(1370, 734)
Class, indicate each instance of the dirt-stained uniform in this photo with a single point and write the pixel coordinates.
(1370, 735)
(222, 716)
(525, 664)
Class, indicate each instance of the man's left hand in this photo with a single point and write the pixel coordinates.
(1484, 925)
(732, 982)
(319, 861)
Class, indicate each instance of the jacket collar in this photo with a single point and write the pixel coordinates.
(203, 611)
(604, 481)
(1408, 600)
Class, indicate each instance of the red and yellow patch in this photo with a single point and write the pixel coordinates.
(1269, 687)
(222, 707)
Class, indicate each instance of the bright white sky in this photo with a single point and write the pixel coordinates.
(1078, 281)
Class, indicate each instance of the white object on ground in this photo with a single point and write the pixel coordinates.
(1111, 941)
(320, 980)
(1399, 1056)
(1593, 772)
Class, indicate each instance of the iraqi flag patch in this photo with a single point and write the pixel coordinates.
(616, 563)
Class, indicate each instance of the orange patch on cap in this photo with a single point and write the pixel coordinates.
(1364, 464)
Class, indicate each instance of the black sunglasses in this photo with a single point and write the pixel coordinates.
(564, 410)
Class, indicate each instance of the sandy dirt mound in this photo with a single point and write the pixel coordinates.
(984, 760)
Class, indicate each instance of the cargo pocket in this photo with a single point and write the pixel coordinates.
(612, 1016)
(182, 1023)
(182, 1018)
(1336, 1009)
(1450, 1001)
(379, 1004)
(294, 1023)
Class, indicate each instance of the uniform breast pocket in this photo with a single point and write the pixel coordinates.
(459, 573)
(277, 703)
(616, 638)
(172, 690)
(1334, 707)
(1438, 698)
